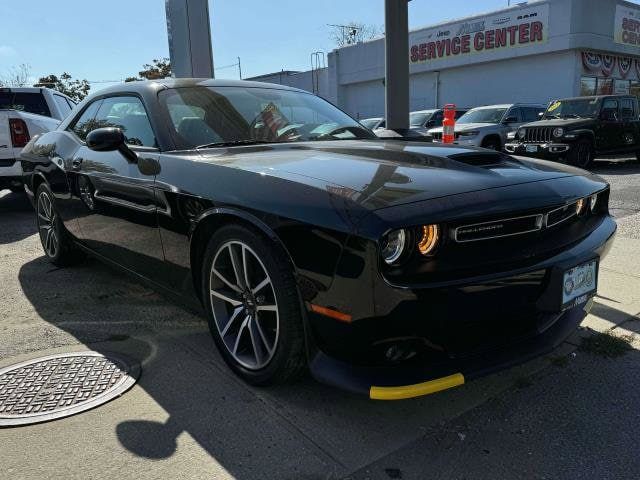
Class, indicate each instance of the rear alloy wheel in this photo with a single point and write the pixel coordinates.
(253, 306)
(56, 242)
(581, 155)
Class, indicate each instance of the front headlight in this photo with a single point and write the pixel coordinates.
(393, 245)
(520, 133)
(580, 206)
(511, 135)
(471, 133)
(558, 132)
(593, 201)
(428, 239)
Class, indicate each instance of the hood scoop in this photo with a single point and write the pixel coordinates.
(480, 159)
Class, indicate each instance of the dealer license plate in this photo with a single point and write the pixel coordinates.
(579, 283)
(531, 148)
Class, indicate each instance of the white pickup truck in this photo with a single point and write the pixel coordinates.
(26, 112)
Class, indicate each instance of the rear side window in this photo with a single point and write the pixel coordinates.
(25, 102)
(626, 109)
(85, 122)
(63, 105)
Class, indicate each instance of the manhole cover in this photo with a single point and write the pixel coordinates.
(61, 385)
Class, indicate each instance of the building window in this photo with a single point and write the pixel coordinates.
(634, 89)
(588, 86)
(621, 87)
(605, 86)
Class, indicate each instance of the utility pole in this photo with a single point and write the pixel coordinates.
(239, 68)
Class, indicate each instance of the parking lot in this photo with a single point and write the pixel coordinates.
(573, 414)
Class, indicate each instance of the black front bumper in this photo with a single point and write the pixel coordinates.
(476, 332)
(547, 151)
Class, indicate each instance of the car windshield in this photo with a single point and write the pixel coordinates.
(211, 116)
(370, 122)
(579, 108)
(483, 115)
(417, 119)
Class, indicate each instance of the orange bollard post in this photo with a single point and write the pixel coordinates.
(449, 123)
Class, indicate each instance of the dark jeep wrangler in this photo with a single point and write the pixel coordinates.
(574, 130)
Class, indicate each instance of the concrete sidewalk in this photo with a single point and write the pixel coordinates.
(189, 417)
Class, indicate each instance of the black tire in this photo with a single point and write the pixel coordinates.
(64, 252)
(581, 154)
(287, 354)
(492, 143)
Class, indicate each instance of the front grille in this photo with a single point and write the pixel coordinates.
(498, 228)
(538, 134)
(559, 215)
(7, 162)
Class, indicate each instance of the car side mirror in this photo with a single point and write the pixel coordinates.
(109, 139)
(511, 120)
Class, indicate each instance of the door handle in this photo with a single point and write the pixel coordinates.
(76, 163)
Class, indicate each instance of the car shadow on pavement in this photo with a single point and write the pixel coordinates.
(15, 210)
(306, 430)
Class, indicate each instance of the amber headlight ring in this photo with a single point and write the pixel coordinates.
(428, 238)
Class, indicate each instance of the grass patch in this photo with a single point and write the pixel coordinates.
(607, 344)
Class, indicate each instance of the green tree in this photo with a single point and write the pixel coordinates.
(157, 69)
(73, 88)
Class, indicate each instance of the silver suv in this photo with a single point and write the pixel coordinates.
(488, 126)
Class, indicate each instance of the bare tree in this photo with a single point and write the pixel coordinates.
(353, 32)
(16, 76)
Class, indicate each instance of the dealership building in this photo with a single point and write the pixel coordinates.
(530, 52)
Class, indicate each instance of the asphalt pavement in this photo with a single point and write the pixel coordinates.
(573, 414)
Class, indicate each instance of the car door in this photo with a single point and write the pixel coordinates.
(120, 221)
(610, 133)
(629, 118)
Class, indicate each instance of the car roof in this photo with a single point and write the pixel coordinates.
(146, 86)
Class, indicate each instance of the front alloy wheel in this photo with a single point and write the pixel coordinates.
(244, 305)
(253, 306)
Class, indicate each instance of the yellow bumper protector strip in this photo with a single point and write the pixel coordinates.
(410, 391)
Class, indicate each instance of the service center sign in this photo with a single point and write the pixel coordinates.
(518, 28)
(626, 29)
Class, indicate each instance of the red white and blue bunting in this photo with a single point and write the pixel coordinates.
(624, 65)
(600, 63)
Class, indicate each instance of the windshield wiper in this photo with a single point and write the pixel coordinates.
(232, 143)
(570, 115)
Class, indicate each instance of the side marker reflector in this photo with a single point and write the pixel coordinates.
(417, 390)
(329, 312)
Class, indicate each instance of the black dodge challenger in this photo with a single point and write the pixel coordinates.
(388, 268)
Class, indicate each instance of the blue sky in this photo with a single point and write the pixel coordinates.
(110, 40)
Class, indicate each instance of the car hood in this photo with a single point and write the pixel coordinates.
(379, 173)
(562, 122)
(463, 127)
